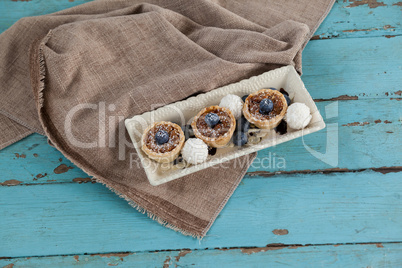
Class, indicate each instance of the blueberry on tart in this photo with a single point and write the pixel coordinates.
(265, 108)
(214, 125)
(162, 141)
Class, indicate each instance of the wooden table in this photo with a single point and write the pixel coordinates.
(345, 211)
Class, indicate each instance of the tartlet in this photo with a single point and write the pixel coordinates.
(166, 152)
(251, 108)
(220, 134)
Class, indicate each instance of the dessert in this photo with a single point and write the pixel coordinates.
(194, 151)
(234, 103)
(298, 115)
(214, 125)
(260, 115)
(162, 141)
(265, 108)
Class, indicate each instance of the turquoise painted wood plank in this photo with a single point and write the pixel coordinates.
(13, 10)
(359, 68)
(33, 160)
(367, 137)
(372, 255)
(364, 142)
(346, 18)
(362, 19)
(314, 209)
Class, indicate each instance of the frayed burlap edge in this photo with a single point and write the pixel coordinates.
(36, 56)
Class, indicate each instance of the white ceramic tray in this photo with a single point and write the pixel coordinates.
(182, 113)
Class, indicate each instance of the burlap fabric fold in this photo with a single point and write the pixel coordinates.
(75, 75)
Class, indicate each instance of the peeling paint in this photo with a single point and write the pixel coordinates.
(385, 27)
(280, 232)
(377, 121)
(356, 124)
(33, 146)
(35, 155)
(62, 169)
(379, 245)
(389, 36)
(265, 174)
(11, 183)
(83, 180)
(399, 92)
(360, 30)
(387, 122)
(319, 37)
(342, 97)
(262, 249)
(386, 170)
(182, 253)
(11, 265)
(398, 4)
(370, 3)
(166, 263)
(76, 257)
(20, 155)
(40, 176)
(397, 99)
(60, 159)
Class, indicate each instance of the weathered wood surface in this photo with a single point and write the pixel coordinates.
(57, 219)
(368, 255)
(49, 207)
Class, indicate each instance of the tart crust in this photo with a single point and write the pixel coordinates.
(265, 123)
(220, 141)
(166, 156)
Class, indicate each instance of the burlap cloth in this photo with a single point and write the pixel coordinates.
(79, 72)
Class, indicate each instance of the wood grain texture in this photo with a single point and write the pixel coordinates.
(371, 255)
(356, 68)
(315, 209)
(362, 18)
(358, 64)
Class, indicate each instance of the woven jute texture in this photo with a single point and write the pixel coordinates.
(75, 75)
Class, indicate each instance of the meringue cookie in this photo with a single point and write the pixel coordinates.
(234, 103)
(194, 151)
(298, 115)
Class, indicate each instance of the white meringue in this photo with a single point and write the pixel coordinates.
(234, 103)
(194, 151)
(298, 115)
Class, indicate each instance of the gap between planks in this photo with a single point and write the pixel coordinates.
(264, 174)
(247, 250)
(383, 170)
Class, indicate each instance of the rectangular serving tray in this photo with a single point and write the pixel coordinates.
(182, 113)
